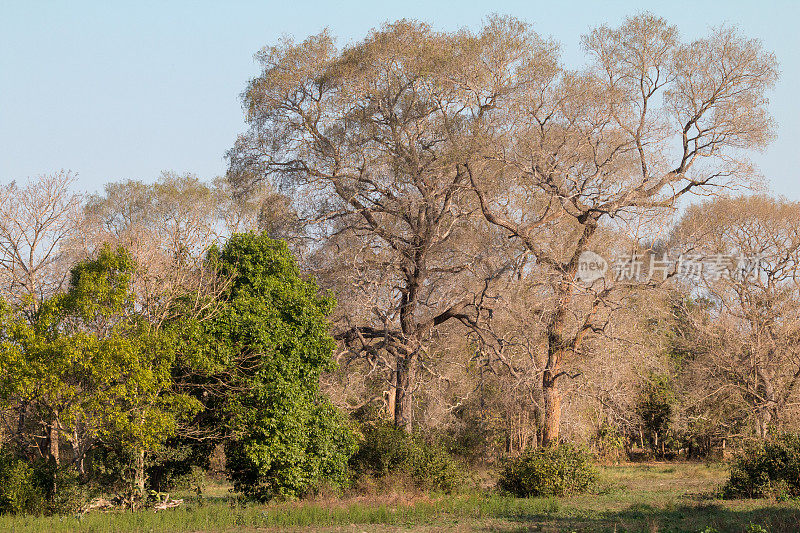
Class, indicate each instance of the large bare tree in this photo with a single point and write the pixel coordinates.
(382, 140)
(375, 141)
(649, 120)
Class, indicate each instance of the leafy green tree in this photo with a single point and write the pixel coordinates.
(285, 436)
(92, 370)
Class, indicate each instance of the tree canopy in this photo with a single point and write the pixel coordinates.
(273, 333)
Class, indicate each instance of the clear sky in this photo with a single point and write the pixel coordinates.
(115, 90)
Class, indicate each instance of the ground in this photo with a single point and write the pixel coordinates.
(653, 497)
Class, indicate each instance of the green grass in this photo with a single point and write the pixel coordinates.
(654, 497)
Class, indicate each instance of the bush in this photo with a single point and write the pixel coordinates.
(769, 469)
(175, 466)
(558, 470)
(60, 487)
(655, 406)
(386, 451)
(610, 443)
(475, 436)
(18, 492)
(38, 488)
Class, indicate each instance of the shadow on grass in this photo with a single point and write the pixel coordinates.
(682, 518)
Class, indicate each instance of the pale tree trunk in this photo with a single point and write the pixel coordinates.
(767, 412)
(766, 417)
(139, 474)
(762, 423)
(52, 437)
(391, 399)
(78, 454)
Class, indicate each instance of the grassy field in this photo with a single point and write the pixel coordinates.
(641, 497)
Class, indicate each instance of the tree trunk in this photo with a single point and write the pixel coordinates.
(767, 411)
(78, 455)
(139, 474)
(52, 437)
(551, 375)
(763, 421)
(391, 399)
(552, 407)
(406, 356)
(405, 376)
(20, 435)
(558, 343)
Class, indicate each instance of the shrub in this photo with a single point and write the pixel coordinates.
(18, 492)
(610, 443)
(176, 465)
(38, 488)
(108, 469)
(386, 451)
(437, 470)
(769, 469)
(655, 406)
(60, 487)
(557, 470)
(476, 435)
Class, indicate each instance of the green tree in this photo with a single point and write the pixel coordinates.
(92, 370)
(285, 436)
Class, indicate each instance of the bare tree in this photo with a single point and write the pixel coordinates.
(374, 141)
(168, 227)
(648, 121)
(37, 223)
(745, 314)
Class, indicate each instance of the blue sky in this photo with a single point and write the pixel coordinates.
(115, 90)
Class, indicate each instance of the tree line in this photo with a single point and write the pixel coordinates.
(450, 179)
(399, 237)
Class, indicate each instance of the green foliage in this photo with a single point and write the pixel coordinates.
(769, 469)
(126, 364)
(386, 451)
(272, 336)
(90, 368)
(171, 466)
(18, 493)
(655, 406)
(558, 470)
(471, 439)
(38, 487)
(108, 469)
(610, 442)
(175, 465)
(61, 487)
